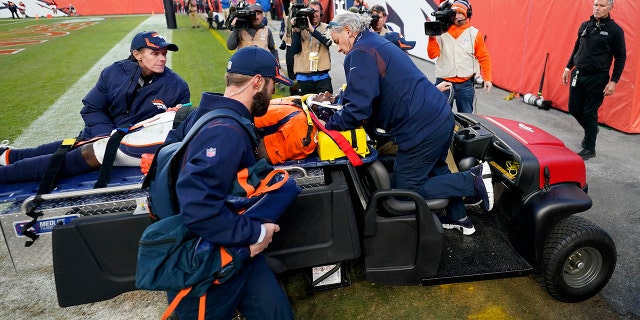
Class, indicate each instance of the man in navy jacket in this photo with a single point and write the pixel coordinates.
(386, 90)
(213, 157)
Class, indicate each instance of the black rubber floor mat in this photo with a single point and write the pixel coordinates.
(487, 254)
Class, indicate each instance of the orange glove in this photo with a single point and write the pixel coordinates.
(145, 162)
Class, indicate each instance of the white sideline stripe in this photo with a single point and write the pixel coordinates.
(62, 119)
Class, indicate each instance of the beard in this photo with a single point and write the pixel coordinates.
(260, 103)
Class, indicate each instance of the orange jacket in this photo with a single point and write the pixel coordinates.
(480, 51)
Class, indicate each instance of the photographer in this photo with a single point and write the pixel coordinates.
(312, 60)
(379, 20)
(248, 29)
(461, 53)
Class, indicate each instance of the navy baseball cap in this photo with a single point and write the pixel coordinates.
(253, 60)
(399, 41)
(151, 40)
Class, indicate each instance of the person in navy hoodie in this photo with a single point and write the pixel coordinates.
(127, 92)
(386, 90)
(215, 154)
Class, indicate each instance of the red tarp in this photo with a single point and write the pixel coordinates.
(520, 34)
(93, 7)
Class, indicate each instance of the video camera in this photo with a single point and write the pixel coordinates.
(444, 19)
(374, 20)
(301, 12)
(243, 14)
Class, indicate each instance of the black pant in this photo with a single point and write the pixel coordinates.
(585, 97)
(315, 86)
(289, 55)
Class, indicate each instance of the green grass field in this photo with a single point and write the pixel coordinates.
(34, 79)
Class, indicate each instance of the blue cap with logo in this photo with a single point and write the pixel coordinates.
(252, 60)
(151, 40)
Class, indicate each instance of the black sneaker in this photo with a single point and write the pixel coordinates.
(463, 225)
(483, 185)
(587, 154)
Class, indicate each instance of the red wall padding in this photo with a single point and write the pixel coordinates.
(521, 32)
(93, 7)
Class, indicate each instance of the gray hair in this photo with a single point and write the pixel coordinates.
(356, 22)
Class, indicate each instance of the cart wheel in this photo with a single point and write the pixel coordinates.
(578, 260)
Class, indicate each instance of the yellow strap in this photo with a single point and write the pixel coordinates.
(68, 142)
(306, 109)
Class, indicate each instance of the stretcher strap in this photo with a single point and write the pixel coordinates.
(49, 179)
(46, 186)
(109, 157)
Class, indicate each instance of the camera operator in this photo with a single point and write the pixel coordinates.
(461, 53)
(312, 60)
(379, 20)
(252, 32)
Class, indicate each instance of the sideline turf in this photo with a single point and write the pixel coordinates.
(202, 58)
(34, 78)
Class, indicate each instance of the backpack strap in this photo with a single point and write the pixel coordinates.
(202, 304)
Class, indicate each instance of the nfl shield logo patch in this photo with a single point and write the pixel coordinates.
(211, 152)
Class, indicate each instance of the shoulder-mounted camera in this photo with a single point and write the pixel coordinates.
(243, 15)
(443, 20)
(301, 12)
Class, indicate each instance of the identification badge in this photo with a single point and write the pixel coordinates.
(575, 79)
(313, 61)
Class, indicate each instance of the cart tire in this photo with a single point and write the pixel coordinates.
(578, 260)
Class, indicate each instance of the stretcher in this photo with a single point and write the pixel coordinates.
(76, 197)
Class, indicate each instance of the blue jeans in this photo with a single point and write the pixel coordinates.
(424, 169)
(464, 93)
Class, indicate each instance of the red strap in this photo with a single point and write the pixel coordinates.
(340, 140)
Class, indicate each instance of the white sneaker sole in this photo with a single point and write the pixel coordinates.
(465, 231)
(488, 183)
